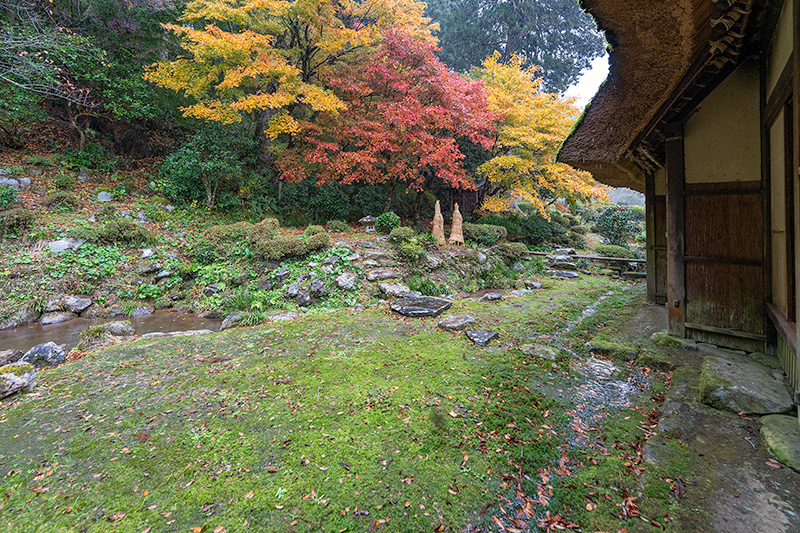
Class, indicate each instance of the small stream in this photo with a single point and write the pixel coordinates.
(26, 337)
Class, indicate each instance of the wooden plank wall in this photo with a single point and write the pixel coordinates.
(724, 261)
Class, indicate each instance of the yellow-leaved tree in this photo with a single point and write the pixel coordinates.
(523, 165)
(262, 59)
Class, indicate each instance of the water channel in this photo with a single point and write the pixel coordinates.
(26, 337)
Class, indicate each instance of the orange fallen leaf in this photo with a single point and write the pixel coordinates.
(249, 495)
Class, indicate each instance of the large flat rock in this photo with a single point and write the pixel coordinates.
(782, 434)
(417, 306)
(737, 385)
(16, 377)
(481, 337)
(456, 322)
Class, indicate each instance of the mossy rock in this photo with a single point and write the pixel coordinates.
(782, 434)
(17, 369)
(736, 386)
(611, 348)
(656, 361)
(664, 339)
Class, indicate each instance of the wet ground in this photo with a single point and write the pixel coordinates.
(68, 333)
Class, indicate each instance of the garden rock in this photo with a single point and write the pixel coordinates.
(353, 257)
(593, 367)
(266, 285)
(18, 184)
(303, 299)
(104, 196)
(782, 434)
(332, 260)
(22, 318)
(394, 289)
(54, 304)
(565, 251)
(120, 328)
(456, 322)
(147, 252)
(518, 266)
(346, 281)
(319, 289)
(141, 218)
(539, 350)
(564, 265)
(47, 354)
(738, 385)
(292, 291)
(84, 175)
(491, 297)
(232, 320)
(10, 356)
(56, 318)
(211, 290)
(433, 262)
(282, 274)
(64, 245)
(291, 315)
(370, 263)
(417, 306)
(520, 293)
(532, 284)
(212, 314)
(481, 337)
(76, 304)
(378, 256)
(164, 274)
(16, 377)
(382, 274)
(566, 275)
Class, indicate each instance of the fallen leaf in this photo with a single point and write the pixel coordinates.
(249, 495)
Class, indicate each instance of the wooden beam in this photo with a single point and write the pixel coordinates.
(650, 229)
(676, 222)
(787, 330)
(796, 130)
(725, 331)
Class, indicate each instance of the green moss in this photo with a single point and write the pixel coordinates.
(16, 369)
(611, 348)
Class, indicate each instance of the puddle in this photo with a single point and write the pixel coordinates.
(68, 333)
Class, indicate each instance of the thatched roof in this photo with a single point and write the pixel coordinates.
(656, 47)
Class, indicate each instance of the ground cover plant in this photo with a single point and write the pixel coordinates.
(337, 422)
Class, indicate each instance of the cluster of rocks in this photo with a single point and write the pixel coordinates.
(562, 263)
(57, 310)
(18, 369)
(15, 182)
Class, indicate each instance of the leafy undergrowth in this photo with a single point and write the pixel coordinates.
(335, 422)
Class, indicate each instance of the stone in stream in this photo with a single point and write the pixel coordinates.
(738, 385)
(10, 356)
(382, 274)
(232, 320)
(16, 377)
(456, 322)
(76, 304)
(143, 310)
(47, 354)
(120, 328)
(481, 337)
(782, 434)
(417, 306)
(56, 318)
(22, 318)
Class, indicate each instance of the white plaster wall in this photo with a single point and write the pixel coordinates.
(722, 140)
(781, 47)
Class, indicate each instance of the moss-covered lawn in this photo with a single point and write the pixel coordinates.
(335, 422)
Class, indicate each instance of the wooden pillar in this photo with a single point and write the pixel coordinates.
(650, 229)
(796, 166)
(676, 271)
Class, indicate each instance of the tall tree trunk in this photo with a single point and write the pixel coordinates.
(389, 196)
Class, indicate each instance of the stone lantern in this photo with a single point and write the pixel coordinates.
(368, 222)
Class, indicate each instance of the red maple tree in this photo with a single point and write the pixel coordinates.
(405, 112)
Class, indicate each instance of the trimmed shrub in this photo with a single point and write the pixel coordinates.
(317, 242)
(124, 231)
(531, 229)
(313, 230)
(617, 224)
(386, 222)
(230, 233)
(62, 199)
(410, 251)
(337, 226)
(512, 251)
(8, 195)
(283, 247)
(401, 235)
(612, 250)
(484, 233)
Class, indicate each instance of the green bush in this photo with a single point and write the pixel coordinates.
(427, 286)
(617, 224)
(530, 229)
(8, 195)
(124, 231)
(386, 222)
(64, 181)
(313, 230)
(204, 252)
(612, 250)
(512, 252)
(62, 199)
(232, 233)
(16, 219)
(284, 247)
(401, 235)
(487, 234)
(410, 251)
(317, 242)
(93, 156)
(337, 226)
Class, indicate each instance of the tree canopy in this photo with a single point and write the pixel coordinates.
(556, 35)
